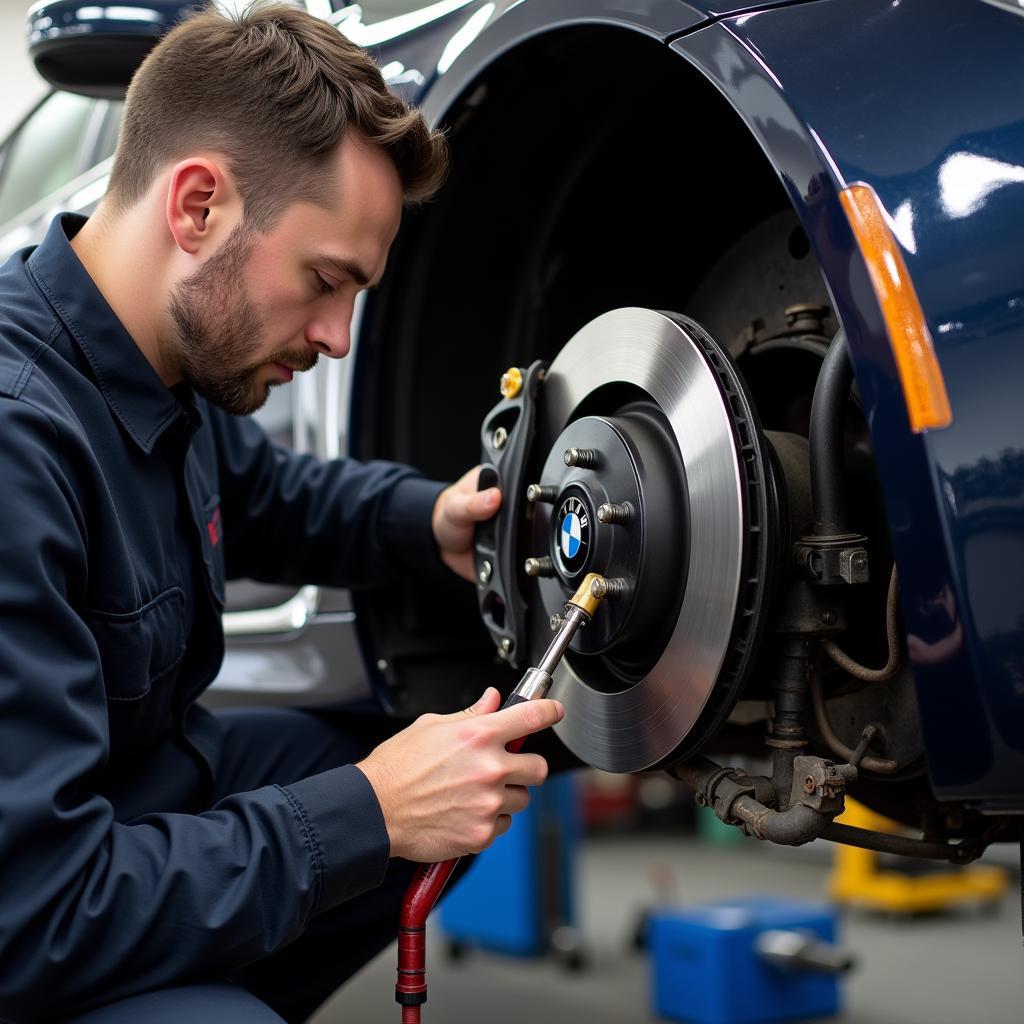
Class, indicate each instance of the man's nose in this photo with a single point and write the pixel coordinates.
(331, 339)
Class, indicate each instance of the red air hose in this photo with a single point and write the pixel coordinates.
(424, 891)
(430, 880)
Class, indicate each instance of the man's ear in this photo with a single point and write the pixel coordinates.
(199, 202)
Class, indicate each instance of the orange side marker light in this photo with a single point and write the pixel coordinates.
(924, 390)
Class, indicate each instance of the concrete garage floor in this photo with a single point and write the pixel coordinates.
(965, 968)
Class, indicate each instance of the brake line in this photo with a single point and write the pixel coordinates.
(875, 764)
(895, 660)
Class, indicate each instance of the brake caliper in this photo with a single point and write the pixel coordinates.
(506, 438)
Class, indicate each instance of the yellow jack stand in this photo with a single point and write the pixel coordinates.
(857, 880)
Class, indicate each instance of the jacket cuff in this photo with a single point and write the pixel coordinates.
(346, 833)
(406, 526)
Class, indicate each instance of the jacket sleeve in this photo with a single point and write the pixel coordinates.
(92, 909)
(292, 518)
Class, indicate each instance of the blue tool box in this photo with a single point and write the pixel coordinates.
(707, 969)
(520, 889)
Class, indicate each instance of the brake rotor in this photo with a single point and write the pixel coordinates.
(663, 431)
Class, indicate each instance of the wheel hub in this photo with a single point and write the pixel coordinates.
(622, 515)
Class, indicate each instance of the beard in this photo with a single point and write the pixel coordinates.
(218, 325)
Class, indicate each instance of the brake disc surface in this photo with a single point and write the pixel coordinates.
(637, 724)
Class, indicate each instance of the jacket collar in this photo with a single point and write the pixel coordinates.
(132, 388)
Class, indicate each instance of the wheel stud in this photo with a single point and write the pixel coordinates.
(582, 458)
(611, 513)
(605, 588)
(542, 566)
(541, 492)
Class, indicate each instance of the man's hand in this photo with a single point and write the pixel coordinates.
(446, 784)
(457, 510)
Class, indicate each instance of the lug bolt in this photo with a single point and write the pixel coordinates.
(828, 617)
(484, 573)
(584, 458)
(555, 622)
(542, 566)
(541, 492)
(611, 513)
(511, 382)
(499, 438)
(602, 588)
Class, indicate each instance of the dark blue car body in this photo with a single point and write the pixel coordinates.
(921, 100)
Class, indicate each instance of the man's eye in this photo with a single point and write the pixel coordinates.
(323, 285)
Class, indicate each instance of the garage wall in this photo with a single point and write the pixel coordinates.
(20, 86)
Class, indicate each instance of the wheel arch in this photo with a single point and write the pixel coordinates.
(534, 234)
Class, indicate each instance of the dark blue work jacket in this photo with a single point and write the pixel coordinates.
(123, 508)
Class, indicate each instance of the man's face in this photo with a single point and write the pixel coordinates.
(265, 306)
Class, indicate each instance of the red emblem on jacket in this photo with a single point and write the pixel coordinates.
(213, 527)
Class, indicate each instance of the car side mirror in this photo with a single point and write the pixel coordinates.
(94, 48)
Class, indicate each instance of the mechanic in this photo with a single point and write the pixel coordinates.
(159, 861)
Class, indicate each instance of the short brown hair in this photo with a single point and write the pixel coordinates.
(274, 89)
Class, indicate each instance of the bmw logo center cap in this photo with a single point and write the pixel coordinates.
(573, 534)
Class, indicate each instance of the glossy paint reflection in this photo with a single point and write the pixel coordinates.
(966, 180)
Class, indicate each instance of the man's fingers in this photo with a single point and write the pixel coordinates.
(517, 798)
(481, 504)
(502, 825)
(525, 719)
(487, 503)
(469, 480)
(465, 509)
(526, 770)
(488, 703)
